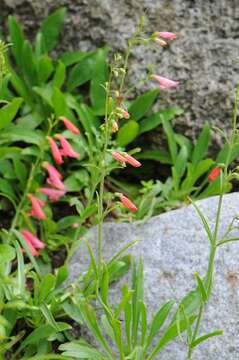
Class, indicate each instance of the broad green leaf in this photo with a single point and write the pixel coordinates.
(228, 155)
(172, 145)
(7, 189)
(181, 162)
(61, 275)
(46, 287)
(81, 350)
(45, 68)
(7, 253)
(127, 133)
(72, 311)
(142, 104)
(29, 64)
(59, 76)
(152, 121)
(58, 102)
(72, 57)
(20, 87)
(161, 156)
(67, 221)
(45, 92)
(9, 151)
(9, 111)
(99, 78)
(17, 39)
(82, 72)
(201, 146)
(51, 28)
(18, 133)
(77, 180)
(194, 173)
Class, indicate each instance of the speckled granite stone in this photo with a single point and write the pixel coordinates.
(174, 247)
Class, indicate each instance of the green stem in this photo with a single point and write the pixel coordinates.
(196, 329)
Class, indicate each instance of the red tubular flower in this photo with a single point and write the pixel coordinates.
(53, 194)
(71, 127)
(66, 148)
(214, 173)
(132, 161)
(128, 203)
(118, 157)
(164, 83)
(166, 35)
(36, 210)
(55, 177)
(33, 242)
(55, 151)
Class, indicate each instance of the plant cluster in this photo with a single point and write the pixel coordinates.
(51, 125)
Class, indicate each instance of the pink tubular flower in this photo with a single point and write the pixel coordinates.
(66, 148)
(53, 194)
(214, 173)
(55, 151)
(36, 210)
(127, 203)
(70, 126)
(33, 242)
(164, 83)
(166, 35)
(118, 157)
(55, 177)
(132, 161)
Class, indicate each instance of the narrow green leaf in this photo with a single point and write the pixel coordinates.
(161, 156)
(205, 337)
(171, 139)
(158, 321)
(201, 287)
(170, 334)
(201, 146)
(16, 38)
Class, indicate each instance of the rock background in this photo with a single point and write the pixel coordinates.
(203, 57)
(174, 246)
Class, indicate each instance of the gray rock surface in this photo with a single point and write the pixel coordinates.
(202, 58)
(174, 247)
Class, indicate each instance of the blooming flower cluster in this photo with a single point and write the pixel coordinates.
(56, 187)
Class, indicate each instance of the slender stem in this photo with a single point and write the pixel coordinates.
(195, 332)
